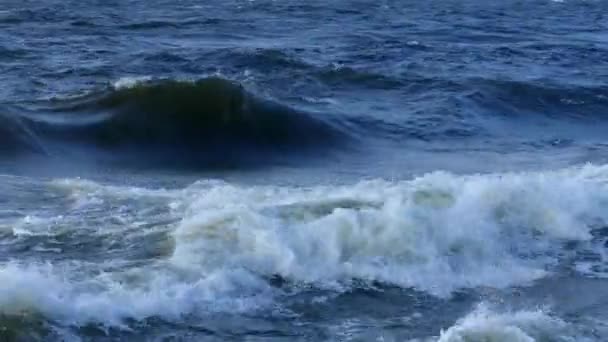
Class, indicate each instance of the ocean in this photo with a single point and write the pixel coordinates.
(290, 170)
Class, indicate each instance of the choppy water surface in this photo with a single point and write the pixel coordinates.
(303, 170)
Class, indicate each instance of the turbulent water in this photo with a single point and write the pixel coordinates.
(341, 170)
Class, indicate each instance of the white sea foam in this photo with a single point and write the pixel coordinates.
(130, 82)
(133, 81)
(437, 233)
(73, 298)
(34, 226)
(485, 325)
(85, 192)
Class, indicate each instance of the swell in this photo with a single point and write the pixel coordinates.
(195, 114)
(214, 119)
(210, 117)
(558, 101)
(441, 107)
(288, 62)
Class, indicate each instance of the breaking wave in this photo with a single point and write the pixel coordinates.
(232, 248)
(484, 324)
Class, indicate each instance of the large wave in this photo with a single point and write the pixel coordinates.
(211, 118)
(222, 247)
(217, 119)
(198, 113)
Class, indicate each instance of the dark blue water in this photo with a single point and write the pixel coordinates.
(303, 170)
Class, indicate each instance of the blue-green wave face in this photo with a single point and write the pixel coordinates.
(211, 119)
(196, 113)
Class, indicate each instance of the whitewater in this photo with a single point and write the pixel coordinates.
(215, 247)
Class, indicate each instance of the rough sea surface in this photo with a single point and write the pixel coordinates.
(290, 170)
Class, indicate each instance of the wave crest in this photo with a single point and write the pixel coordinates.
(521, 326)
